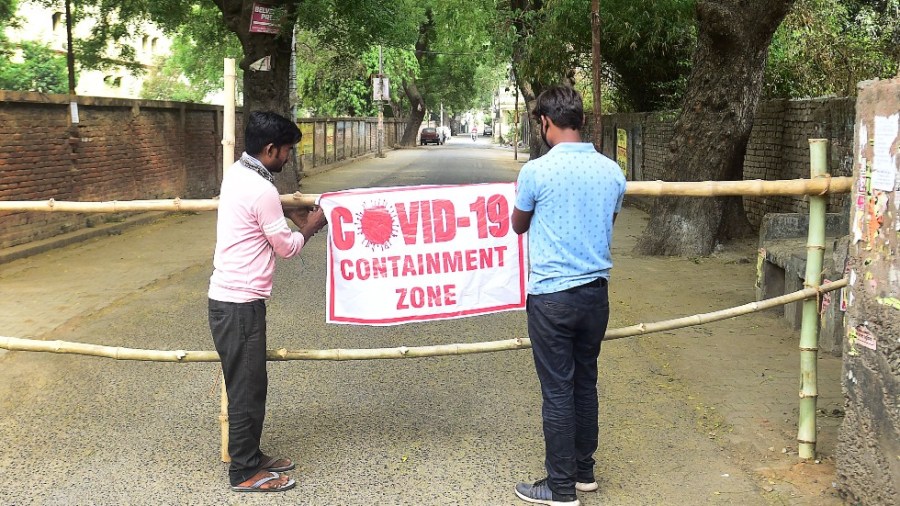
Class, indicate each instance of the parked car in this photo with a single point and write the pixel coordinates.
(488, 130)
(429, 136)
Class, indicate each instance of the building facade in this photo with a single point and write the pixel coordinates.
(47, 26)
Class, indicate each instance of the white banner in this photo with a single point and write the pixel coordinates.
(408, 254)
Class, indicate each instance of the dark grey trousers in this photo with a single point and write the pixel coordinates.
(566, 329)
(239, 333)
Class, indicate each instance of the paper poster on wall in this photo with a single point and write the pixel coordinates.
(862, 336)
(884, 155)
(760, 261)
(401, 255)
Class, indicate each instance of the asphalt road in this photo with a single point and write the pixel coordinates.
(433, 431)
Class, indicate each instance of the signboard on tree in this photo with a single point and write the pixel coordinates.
(265, 18)
(400, 255)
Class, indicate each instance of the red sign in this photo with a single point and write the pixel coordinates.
(265, 18)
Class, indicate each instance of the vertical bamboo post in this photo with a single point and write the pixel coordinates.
(809, 329)
(223, 421)
(228, 123)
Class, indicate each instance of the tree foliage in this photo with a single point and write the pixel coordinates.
(714, 124)
(825, 47)
(460, 68)
(193, 70)
(335, 84)
(645, 46)
(41, 70)
(28, 66)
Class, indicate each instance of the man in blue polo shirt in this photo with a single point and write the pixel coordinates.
(567, 200)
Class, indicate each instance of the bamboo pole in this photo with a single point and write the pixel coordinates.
(820, 186)
(809, 327)
(755, 187)
(229, 119)
(223, 421)
(114, 206)
(282, 354)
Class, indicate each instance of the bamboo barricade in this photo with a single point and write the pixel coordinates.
(819, 185)
(813, 187)
(228, 121)
(119, 353)
(809, 328)
(340, 354)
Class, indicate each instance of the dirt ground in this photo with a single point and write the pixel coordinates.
(738, 376)
(703, 415)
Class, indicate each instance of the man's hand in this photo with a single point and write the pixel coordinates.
(298, 215)
(315, 221)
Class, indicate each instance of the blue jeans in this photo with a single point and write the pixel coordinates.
(566, 329)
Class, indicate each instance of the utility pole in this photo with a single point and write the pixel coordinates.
(380, 104)
(516, 131)
(514, 86)
(597, 134)
(70, 65)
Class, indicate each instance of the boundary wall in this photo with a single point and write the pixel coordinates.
(778, 147)
(134, 149)
(868, 452)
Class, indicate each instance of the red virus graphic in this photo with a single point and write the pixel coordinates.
(377, 225)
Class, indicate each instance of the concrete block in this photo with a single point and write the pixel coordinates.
(793, 312)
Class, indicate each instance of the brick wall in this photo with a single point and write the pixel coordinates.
(121, 150)
(778, 147)
(131, 150)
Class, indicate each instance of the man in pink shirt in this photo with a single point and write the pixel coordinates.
(251, 230)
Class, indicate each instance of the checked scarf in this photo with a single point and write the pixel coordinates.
(255, 165)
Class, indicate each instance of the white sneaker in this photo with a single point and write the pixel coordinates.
(587, 487)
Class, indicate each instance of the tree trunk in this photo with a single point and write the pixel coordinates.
(416, 103)
(265, 90)
(536, 146)
(712, 130)
(416, 114)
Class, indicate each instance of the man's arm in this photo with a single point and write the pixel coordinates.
(308, 222)
(521, 220)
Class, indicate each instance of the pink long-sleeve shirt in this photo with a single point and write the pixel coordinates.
(251, 230)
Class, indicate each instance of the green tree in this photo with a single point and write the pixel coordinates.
(825, 47)
(193, 70)
(7, 9)
(645, 48)
(347, 24)
(713, 126)
(28, 66)
(41, 70)
(335, 84)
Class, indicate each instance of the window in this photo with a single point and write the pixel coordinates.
(59, 21)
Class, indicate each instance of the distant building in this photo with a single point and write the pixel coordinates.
(47, 26)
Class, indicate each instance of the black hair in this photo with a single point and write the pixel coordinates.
(265, 127)
(562, 105)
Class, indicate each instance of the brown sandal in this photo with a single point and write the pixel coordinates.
(275, 464)
(263, 478)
